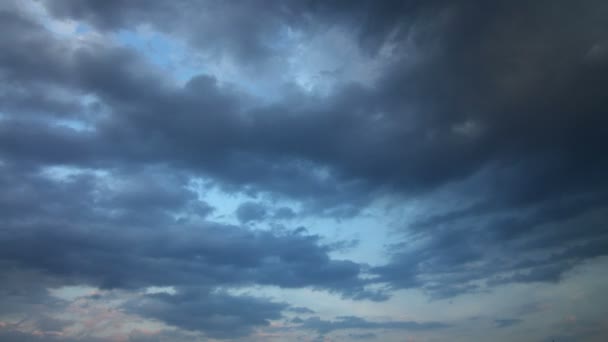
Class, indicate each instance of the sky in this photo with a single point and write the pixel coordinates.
(399, 171)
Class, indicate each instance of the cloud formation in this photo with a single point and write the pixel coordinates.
(121, 122)
(352, 322)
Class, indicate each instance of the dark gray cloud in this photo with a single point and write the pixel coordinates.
(251, 212)
(284, 213)
(8, 335)
(447, 137)
(471, 254)
(14, 335)
(499, 104)
(132, 230)
(249, 30)
(208, 134)
(115, 237)
(218, 315)
(351, 322)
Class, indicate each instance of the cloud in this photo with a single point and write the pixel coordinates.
(284, 213)
(248, 30)
(107, 236)
(351, 322)
(19, 336)
(473, 256)
(488, 118)
(508, 322)
(364, 336)
(431, 150)
(301, 310)
(251, 212)
(217, 314)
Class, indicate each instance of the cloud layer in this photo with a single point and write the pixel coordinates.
(121, 122)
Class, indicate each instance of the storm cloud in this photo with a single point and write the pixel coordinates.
(218, 149)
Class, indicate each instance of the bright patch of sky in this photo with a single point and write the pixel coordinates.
(162, 51)
(331, 57)
(76, 125)
(160, 289)
(72, 292)
(65, 29)
(364, 229)
(63, 173)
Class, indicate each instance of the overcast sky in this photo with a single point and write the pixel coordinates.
(413, 170)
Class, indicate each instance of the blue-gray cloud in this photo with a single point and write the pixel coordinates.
(499, 103)
(251, 212)
(507, 322)
(218, 315)
(352, 322)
